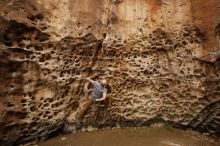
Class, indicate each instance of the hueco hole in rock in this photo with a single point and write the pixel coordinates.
(110, 72)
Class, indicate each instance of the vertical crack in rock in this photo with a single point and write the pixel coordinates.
(82, 87)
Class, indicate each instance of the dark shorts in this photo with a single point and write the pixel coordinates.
(93, 99)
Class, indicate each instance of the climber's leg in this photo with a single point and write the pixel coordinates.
(108, 100)
(85, 108)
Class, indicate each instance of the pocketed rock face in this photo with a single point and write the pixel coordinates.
(155, 54)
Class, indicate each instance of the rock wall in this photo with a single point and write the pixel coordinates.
(161, 58)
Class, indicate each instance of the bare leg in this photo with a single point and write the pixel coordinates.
(108, 100)
(85, 108)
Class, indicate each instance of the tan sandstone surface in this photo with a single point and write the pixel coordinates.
(160, 56)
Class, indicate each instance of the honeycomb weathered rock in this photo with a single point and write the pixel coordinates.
(155, 54)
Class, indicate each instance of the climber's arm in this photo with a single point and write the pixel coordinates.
(103, 97)
(90, 80)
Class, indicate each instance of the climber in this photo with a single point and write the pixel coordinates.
(100, 92)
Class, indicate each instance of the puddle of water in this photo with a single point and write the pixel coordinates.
(155, 136)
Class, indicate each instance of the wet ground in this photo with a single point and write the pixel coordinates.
(133, 137)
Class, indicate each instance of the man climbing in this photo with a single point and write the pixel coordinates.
(99, 90)
(99, 93)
